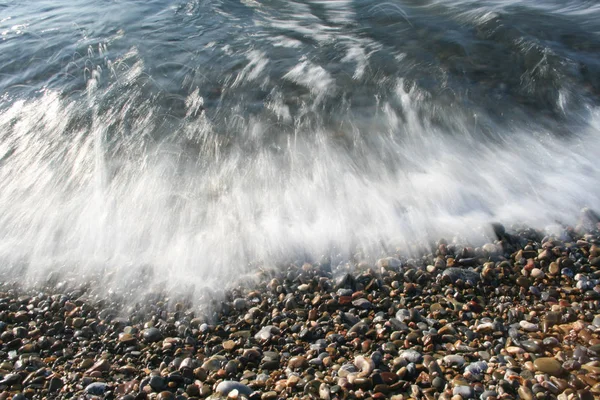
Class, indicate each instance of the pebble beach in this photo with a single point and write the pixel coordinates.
(517, 318)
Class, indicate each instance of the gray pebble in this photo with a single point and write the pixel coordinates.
(227, 386)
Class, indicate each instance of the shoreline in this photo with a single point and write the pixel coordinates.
(516, 318)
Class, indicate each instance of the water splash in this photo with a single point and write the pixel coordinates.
(304, 142)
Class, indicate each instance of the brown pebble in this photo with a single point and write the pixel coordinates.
(165, 396)
(229, 345)
(297, 362)
(548, 366)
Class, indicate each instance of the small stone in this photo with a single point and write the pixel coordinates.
(528, 326)
(487, 394)
(362, 303)
(537, 273)
(466, 392)
(226, 387)
(523, 281)
(78, 323)
(229, 345)
(151, 335)
(531, 346)
(96, 388)
(514, 350)
(239, 304)
(486, 327)
(165, 395)
(525, 393)
(157, 383)
(55, 385)
(462, 274)
(297, 362)
(454, 360)
(475, 370)
(447, 330)
(99, 366)
(126, 338)
(271, 395)
(266, 332)
(192, 390)
(438, 383)
(411, 356)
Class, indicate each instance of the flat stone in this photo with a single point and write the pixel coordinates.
(514, 350)
(227, 386)
(528, 326)
(126, 338)
(454, 359)
(486, 327)
(548, 366)
(591, 369)
(362, 303)
(99, 366)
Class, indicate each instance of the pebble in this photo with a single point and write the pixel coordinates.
(454, 360)
(411, 356)
(528, 326)
(537, 273)
(476, 370)
(239, 304)
(488, 394)
(225, 387)
(466, 392)
(151, 335)
(455, 274)
(297, 362)
(430, 327)
(96, 388)
(525, 393)
(548, 366)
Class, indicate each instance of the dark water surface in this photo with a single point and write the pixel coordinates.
(195, 137)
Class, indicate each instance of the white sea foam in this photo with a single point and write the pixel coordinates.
(264, 158)
(201, 222)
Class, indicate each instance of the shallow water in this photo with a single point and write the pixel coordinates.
(200, 139)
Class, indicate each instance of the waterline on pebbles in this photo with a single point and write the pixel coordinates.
(515, 318)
